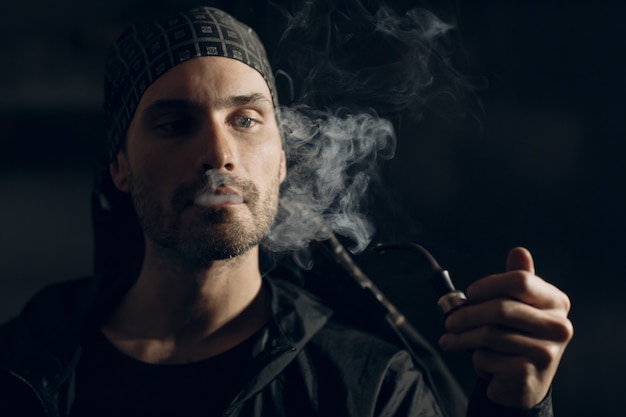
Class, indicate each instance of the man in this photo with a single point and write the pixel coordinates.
(194, 141)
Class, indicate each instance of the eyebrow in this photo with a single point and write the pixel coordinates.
(243, 100)
(183, 104)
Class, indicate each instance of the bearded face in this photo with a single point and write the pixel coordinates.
(209, 114)
(218, 231)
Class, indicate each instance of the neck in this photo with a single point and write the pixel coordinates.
(176, 312)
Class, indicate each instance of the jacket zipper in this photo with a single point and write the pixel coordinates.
(29, 385)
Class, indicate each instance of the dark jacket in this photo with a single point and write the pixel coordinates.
(304, 364)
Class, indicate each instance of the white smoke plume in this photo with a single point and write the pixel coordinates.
(331, 160)
(350, 70)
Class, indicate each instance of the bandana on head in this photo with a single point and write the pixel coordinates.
(144, 52)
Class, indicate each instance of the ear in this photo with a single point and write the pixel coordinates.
(119, 172)
(283, 166)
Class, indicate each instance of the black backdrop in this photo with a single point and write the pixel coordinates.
(538, 162)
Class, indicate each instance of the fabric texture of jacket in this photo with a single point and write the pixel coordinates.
(304, 364)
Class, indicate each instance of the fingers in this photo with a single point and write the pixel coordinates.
(508, 343)
(522, 286)
(511, 314)
(517, 329)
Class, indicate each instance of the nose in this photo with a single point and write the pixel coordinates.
(217, 150)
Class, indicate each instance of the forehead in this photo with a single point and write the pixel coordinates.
(206, 79)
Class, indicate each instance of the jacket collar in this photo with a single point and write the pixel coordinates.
(42, 346)
(296, 317)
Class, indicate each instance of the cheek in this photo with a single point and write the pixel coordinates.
(157, 175)
(262, 161)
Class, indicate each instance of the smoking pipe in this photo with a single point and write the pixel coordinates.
(450, 298)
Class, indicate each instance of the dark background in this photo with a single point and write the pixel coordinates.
(538, 162)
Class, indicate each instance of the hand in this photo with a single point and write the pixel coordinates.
(516, 328)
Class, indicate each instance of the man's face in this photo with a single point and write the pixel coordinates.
(208, 114)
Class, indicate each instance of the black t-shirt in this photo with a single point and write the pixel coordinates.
(111, 383)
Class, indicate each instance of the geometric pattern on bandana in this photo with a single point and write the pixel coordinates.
(144, 52)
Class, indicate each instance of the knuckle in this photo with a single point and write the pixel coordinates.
(567, 303)
(566, 330)
(504, 309)
(523, 281)
(561, 330)
(522, 370)
(546, 354)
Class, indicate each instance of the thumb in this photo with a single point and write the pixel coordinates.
(520, 259)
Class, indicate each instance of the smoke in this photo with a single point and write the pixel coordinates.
(345, 72)
(216, 191)
(332, 158)
(346, 54)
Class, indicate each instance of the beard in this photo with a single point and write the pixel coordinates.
(215, 233)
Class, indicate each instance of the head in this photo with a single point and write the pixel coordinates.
(192, 134)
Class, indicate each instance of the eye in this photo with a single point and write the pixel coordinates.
(242, 122)
(175, 125)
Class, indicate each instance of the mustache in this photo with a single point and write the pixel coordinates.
(216, 187)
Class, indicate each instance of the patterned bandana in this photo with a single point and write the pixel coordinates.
(144, 52)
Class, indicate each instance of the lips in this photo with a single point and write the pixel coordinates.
(221, 195)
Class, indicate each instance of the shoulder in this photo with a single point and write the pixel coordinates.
(60, 298)
(336, 341)
(45, 329)
(74, 302)
(335, 335)
(359, 373)
(347, 339)
(359, 355)
(51, 307)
